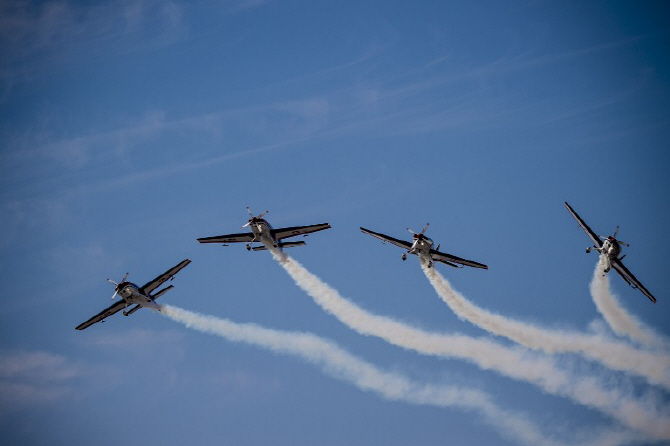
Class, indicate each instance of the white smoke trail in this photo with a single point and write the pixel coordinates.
(343, 365)
(653, 366)
(643, 415)
(619, 320)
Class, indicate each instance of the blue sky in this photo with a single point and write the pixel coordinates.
(129, 129)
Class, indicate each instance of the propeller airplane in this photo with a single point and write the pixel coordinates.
(132, 294)
(610, 248)
(422, 246)
(262, 232)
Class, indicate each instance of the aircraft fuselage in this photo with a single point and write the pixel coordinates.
(421, 246)
(132, 295)
(262, 231)
(608, 251)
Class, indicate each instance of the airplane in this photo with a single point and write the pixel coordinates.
(131, 294)
(264, 233)
(610, 248)
(422, 246)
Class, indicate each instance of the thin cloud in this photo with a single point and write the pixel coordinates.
(35, 377)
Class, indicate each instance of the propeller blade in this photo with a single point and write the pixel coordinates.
(248, 223)
(616, 231)
(249, 211)
(125, 276)
(262, 214)
(424, 228)
(410, 231)
(114, 295)
(623, 243)
(111, 281)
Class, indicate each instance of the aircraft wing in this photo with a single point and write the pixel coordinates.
(630, 278)
(116, 307)
(386, 238)
(585, 227)
(283, 233)
(244, 237)
(448, 258)
(167, 275)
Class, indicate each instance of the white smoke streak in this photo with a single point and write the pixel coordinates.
(641, 415)
(619, 320)
(653, 366)
(341, 364)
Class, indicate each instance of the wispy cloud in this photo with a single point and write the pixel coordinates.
(39, 38)
(264, 127)
(35, 377)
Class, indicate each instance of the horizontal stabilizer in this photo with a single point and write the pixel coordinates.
(290, 244)
(132, 310)
(161, 292)
(280, 245)
(445, 262)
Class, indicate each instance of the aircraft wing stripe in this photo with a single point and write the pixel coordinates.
(229, 238)
(585, 227)
(440, 257)
(630, 278)
(386, 238)
(292, 231)
(158, 281)
(116, 307)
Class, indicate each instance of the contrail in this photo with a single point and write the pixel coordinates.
(653, 366)
(619, 320)
(642, 415)
(341, 364)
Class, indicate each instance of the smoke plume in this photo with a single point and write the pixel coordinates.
(641, 414)
(653, 366)
(341, 364)
(619, 320)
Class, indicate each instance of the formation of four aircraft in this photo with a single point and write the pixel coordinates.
(262, 232)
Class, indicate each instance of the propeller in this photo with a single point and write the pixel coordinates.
(254, 218)
(616, 231)
(116, 285)
(423, 231)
